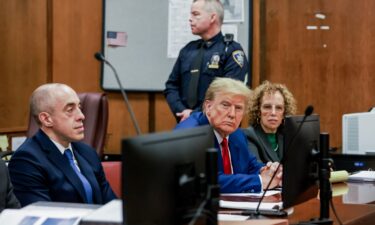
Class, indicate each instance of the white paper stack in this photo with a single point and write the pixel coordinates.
(364, 175)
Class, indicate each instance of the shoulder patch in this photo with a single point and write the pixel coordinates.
(238, 57)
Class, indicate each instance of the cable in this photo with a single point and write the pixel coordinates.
(99, 56)
(198, 213)
(257, 212)
(334, 212)
(207, 214)
(201, 207)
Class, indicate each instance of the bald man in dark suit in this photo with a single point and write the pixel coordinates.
(54, 165)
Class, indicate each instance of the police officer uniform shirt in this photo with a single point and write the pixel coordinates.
(220, 59)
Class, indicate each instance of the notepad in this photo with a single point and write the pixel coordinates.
(249, 201)
(339, 176)
(363, 176)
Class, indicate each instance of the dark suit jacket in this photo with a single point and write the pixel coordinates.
(7, 197)
(39, 172)
(261, 147)
(245, 177)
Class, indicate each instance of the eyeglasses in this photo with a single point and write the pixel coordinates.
(271, 108)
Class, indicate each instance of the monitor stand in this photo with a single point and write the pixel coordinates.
(213, 187)
(207, 211)
(325, 193)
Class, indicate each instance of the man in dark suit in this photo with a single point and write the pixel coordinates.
(7, 197)
(53, 165)
(225, 104)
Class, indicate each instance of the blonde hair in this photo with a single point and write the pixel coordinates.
(269, 88)
(228, 86)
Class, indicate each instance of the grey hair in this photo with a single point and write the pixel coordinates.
(214, 6)
(42, 99)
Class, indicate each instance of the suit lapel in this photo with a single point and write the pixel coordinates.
(62, 163)
(220, 158)
(268, 149)
(266, 145)
(234, 154)
(280, 139)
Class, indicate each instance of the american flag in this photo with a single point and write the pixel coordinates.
(117, 39)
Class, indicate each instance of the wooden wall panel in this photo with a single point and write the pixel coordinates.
(77, 35)
(330, 69)
(257, 31)
(23, 58)
(120, 125)
(164, 119)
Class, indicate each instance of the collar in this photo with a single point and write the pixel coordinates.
(219, 138)
(60, 147)
(213, 40)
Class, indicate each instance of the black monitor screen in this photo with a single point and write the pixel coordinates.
(164, 175)
(300, 169)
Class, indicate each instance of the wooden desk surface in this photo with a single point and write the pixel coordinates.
(256, 222)
(349, 214)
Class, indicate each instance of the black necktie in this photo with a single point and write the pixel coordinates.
(194, 78)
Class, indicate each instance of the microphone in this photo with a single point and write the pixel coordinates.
(308, 111)
(99, 56)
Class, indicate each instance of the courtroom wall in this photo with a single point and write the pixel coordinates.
(54, 41)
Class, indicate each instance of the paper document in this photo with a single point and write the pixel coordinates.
(363, 176)
(46, 213)
(228, 217)
(251, 205)
(249, 201)
(268, 193)
(112, 208)
(21, 217)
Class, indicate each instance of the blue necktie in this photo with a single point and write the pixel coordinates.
(86, 185)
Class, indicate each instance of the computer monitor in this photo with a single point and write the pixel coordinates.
(165, 178)
(300, 166)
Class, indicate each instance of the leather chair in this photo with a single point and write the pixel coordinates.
(95, 108)
(112, 170)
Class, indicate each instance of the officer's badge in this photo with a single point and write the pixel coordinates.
(239, 57)
(214, 62)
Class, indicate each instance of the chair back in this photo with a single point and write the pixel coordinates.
(95, 108)
(112, 170)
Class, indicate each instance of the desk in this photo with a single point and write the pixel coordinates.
(353, 207)
(256, 222)
(114, 209)
(348, 213)
(360, 193)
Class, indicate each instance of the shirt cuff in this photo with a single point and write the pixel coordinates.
(260, 180)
